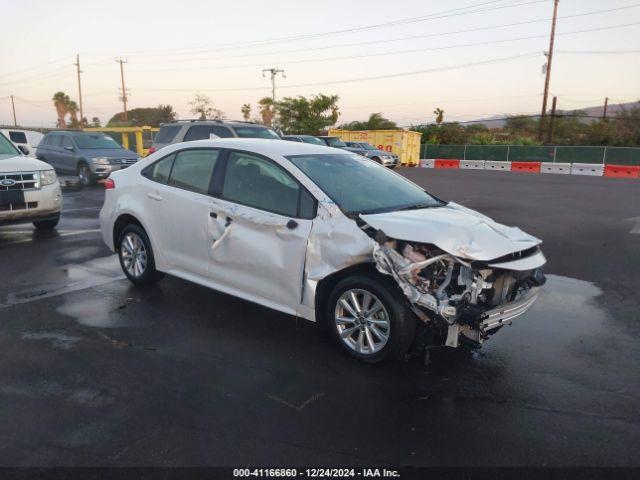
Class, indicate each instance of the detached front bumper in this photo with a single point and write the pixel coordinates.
(504, 314)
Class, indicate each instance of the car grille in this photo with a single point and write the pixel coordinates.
(12, 207)
(21, 181)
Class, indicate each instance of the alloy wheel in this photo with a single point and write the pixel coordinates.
(362, 321)
(134, 254)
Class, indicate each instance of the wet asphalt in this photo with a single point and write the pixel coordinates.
(94, 371)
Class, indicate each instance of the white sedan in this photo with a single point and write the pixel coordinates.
(322, 234)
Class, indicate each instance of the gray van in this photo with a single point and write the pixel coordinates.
(188, 130)
(89, 155)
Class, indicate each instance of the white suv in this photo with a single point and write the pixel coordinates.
(29, 189)
(323, 234)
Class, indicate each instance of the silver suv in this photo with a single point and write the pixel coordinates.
(188, 130)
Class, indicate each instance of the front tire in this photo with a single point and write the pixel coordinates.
(47, 224)
(377, 159)
(136, 256)
(370, 319)
(85, 177)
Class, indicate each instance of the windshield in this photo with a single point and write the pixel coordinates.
(256, 132)
(335, 142)
(313, 140)
(359, 185)
(94, 142)
(7, 148)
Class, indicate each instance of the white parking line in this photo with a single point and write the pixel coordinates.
(80, 209)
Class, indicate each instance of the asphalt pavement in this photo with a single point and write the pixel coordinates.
(95, 371)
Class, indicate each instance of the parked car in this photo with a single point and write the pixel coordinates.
(387, 159)
(26, 140)
(336, 142)
(190, 130)
(304, 139)
(29, 189)
(89, 155)
(325, 235)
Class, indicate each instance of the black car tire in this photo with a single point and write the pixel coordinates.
(402, 320)
(150, 274)
(85, 177)
(47, 224)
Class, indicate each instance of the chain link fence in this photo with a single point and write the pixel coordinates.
(526, 153)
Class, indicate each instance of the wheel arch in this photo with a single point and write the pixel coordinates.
(325, 286)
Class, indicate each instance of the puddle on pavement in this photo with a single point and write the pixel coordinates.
(109, 311)
(59, 340)
(73, 277)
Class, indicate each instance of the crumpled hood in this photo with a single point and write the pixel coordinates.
(457, 230)
(22, 164)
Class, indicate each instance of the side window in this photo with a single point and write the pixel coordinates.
(159, 171)
(167, 133)
(55, 140)
(202, 132)
(66, 142)
(18, 137)
(256, 182)
(193, 169)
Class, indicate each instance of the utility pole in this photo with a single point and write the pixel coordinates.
(273, 73)
(553, 119)
(548, 72)
(13, 107)
(77, 64)
(123, 98)
(606, 104)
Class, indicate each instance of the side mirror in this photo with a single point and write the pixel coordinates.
(23, 149)
(71, 149)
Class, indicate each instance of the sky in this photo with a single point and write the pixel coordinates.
(403, 58)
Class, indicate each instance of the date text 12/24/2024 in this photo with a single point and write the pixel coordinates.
(316, 472)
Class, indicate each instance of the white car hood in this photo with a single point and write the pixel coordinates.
(22, 164)
(457, 230)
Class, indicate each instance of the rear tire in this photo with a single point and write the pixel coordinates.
(136, 255)
(383, 326)
(47, 224)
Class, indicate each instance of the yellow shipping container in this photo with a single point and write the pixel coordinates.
(404, 143)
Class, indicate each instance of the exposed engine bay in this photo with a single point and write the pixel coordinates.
(459, 300)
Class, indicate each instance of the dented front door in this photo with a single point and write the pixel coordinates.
(258, 255)
(260, 232)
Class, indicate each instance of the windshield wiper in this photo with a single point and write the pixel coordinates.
(419, 206)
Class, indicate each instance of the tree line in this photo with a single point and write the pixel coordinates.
(313, 115)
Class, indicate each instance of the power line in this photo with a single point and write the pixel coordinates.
(434, 16)
(360, 79)
(413, 50)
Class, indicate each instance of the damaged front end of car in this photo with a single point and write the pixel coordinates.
(460, 300)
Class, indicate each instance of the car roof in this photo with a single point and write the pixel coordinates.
(233, 123)
(262, 146)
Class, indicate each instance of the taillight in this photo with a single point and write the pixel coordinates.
(109, 184)
(151, 150)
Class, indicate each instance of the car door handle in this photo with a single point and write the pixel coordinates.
(292, 224)
(154, 196)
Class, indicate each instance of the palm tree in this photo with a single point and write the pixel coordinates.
(439, 115)
(72, 108)
(267, 110)
(61, 103)
(246, 112)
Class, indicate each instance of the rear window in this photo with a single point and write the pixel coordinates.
(203, 132)
(167, 133)
(18, 137)
(256, 132)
